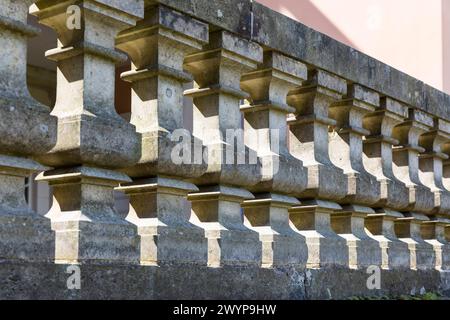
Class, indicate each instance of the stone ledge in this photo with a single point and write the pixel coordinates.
(276, 31)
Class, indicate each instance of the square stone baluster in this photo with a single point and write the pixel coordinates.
(406, 160)
(446, 161)
(157, 47)
(377, 152)
(282, 174)
(93, 140)
(232, 166)
(325, 248)
(409, 230)
(268, 215)
(381, 225)
(345, 149)
(432, 174)
(308, 141)
(431, 164)
(26, 130)
(308, 134)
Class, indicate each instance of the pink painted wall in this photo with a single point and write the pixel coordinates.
(410, 35)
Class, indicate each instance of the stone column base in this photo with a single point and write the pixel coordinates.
(325, 248)
(88, 229)
(408, 229)
(24, 235)
(218, 211)
(269, 216)
(160, 210)
(394, 253)
(363, 251)
(434, 234)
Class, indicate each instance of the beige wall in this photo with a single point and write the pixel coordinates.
(410, 35)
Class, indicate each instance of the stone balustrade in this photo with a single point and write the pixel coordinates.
(294, 162)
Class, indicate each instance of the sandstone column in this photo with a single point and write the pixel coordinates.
(363, 189)
(231, 165)
(406, 160)
(157, 46)
(26, 130)
(283, 176)
(308, 141)
(432, 173)
(406, 169)
(93, 139)
(394, 195)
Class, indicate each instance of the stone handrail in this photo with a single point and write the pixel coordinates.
(305, 155)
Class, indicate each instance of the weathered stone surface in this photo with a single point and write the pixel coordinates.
(265, 123)
(92, 138)
(308, 134)
(217, 71)
(159, 209)
(268, 215)
(157, 46)
(381, 226)
(368, 155)
(363, 251)
(408, 230)
(281, 33)
(347, 137)
(431, 165)
(87, 225)
(217, 210)
(26, 130)
(377, 150)
(312, 219)
(233, 16)
(25, 281)
(406, 160)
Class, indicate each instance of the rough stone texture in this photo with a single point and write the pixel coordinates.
(377, 150)
(265, 123)
(25, 281)
(91, 135)
(26, 129)
(308, 134)
(214, 229)
(279, 32)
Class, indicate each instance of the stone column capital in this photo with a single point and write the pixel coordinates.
(269, 85)
(163, 29)
(223, 61)
(349, 111)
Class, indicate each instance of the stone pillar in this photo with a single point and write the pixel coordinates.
(308, 133)
(406, 160)
(325, 248)
(268, 215)
(435, 232)
(159, 209)
(377, 152)
(308, 141)
(363, 189)
(157, 47)
(432, 174)
(409, 230)
(27, 130)
(378, 159)
(232, 167)
(381, 225)
(93, 139)
(265, 131)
